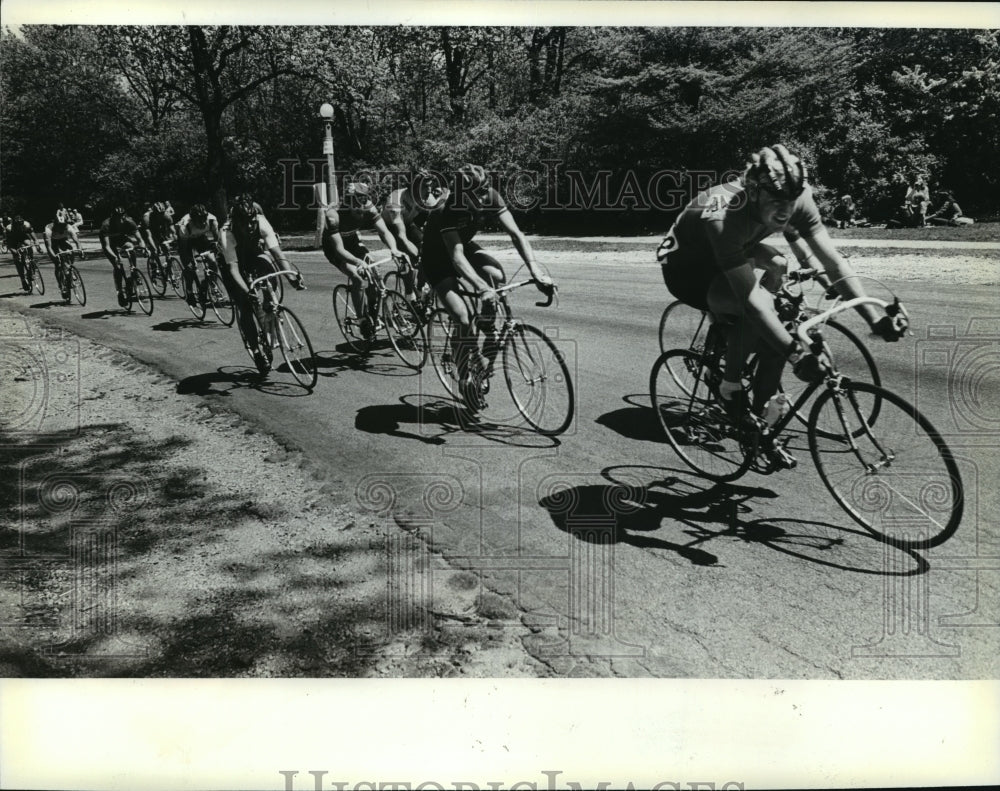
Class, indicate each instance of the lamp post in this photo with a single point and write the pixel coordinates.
(326, 113)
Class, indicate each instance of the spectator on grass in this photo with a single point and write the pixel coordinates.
(844, 213)
(918, 199)
(950, 213)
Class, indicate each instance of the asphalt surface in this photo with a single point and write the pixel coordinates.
(621, 559)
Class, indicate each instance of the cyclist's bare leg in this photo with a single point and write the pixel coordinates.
(490, 270)
(463, 340)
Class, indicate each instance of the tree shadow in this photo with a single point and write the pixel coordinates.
(120, 562)
(641, 501)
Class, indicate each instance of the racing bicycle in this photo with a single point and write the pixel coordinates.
(277, 326)
(32, 276)
(534, 369)
(68, 277)
(382, 309)
(164, 267)
(134, 284)
(896, 476)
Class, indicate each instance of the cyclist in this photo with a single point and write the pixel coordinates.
(713, 259)
(449, 254)
(18, 236)
(157, 226)
(245, 238)
(197, 232)
(61, 235)
(116, 232)
(405, 212)
(343, 247)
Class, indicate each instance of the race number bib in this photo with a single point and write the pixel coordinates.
(667, 246)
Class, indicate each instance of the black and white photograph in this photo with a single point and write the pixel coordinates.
(631, 354)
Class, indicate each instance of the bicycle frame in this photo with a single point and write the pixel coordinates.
(830, 375)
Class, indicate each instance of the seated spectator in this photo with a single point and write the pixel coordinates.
(950, 213)
(844, 213)
(918, 198)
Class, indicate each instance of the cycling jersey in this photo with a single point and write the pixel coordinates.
(242, 250)
(716, 232)
(60, 236)
(118, 232)
(464, 213)
(159, 224)
(19, 234)
(401, 203)
(188, 231)
(347, 221)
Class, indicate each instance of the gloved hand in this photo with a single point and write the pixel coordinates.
(810, 368)
(890, 328)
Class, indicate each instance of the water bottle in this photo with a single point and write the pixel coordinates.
(777, 407)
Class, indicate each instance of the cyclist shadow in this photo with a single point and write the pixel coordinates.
(108, 312)
(175, 325)
(434, 418)
(629, 510)
(637, 421)
(47, 305)
(342, 358)
(226, 379)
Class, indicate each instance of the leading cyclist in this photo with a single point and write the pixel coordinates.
(713, 259)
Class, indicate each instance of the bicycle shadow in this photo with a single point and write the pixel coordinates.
(640, 501)
(108, 312)
(226, 379)
(343, 358)
(435, 418)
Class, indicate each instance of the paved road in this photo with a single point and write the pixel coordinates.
(621, 561)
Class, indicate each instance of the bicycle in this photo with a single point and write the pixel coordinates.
(535, 371)
(382, 309)
(165, 267)
(792, 306)
(278, 326)
(211, 290)
(867, 467)
(134, 284)
(31, 279)
(68, 277)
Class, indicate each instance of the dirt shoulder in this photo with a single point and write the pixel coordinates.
(145, 533)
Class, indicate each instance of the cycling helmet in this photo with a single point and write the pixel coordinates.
(777, 171)
(356, 193)
(159, 207)
(243, 214)
(474, 176)
(118, 212)
(198, 213)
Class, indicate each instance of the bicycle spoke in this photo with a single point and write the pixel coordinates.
(296, 347)
(538, 379)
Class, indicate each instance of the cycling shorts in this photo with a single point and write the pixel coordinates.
(61, 245)
(689, 278)
(438, 268)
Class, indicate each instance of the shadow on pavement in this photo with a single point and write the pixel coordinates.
(641, 503)
(224, 380)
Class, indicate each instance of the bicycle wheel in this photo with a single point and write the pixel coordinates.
(37, 283)
(852, 359)
(681, 388)
(296, 347)
(538, 379)
(174, 275)
(393, 282)
(76, 284)
(278, 283)
(440, 330)
(403, 328)
(157, 277)
(682, 326)
(896, 478)
(347, 319)
(142, 293)
(215, 295)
